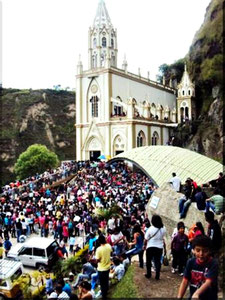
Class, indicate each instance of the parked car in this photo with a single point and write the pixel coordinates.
(36, 252)
(9, 272)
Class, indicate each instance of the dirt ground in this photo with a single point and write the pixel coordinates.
(167, 287)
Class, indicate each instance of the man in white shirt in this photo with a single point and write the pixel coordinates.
(175, 181)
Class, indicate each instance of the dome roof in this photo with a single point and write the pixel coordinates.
(159, 162)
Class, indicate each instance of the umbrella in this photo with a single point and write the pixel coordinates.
(103, 156)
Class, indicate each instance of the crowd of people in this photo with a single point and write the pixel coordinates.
(70, 210)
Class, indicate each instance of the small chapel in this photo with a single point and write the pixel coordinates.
(117, 110)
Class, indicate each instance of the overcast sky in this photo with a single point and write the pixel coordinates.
(42, 39)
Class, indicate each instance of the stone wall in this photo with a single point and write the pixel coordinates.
(167, 208)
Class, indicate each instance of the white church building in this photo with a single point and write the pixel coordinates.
(117, 110)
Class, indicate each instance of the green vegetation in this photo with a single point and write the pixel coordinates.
(126, 287)
(36, 159)
(72, 264)
(173, 71)
(26, 113)
(105, 213)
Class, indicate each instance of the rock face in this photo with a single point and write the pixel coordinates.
(205, 65)
(35, 116)
(167, 208)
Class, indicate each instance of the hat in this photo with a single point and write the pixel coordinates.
(71, 274)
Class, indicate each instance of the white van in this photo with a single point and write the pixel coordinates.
(9, 272)
(36, 252)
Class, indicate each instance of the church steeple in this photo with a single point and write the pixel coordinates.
(102, 16)
(186, 98)
(102, 40)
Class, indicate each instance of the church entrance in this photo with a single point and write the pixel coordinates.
(118, 152)
(94, 155)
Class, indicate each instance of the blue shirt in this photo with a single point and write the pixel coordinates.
(67, 289)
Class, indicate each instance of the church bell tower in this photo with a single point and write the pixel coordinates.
(102, 40)
(186, 109)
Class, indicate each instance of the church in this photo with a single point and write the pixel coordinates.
(117, 110)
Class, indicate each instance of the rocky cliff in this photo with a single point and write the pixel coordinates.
(205, 66)
(35, 116)
(205, 61)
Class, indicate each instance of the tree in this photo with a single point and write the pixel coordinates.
(173, 71)
(36, 159)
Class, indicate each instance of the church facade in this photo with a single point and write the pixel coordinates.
(117, 110)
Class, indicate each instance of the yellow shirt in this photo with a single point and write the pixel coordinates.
(103, 254)
(1, 251)
(58, 214)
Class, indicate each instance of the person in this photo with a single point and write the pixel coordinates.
(218, 183)
(200, 198)
(178, 249)
(92, 241)
(117, 238)
(18, 229)
(102, 255)
(1, 250)
(48, 284)
(199, 229)
(201, 272)
(7, 246)
(155, 243)
(87, 271)
(216, 203)
(65, 286)
(118, 269)
(72, 242)
(176, 182)
(138, 244)
(85, 290)
(62, 295)
(214, 231)
(125, 261)
(185, 201)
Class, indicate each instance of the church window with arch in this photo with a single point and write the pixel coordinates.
(155, 138)
(94, 106)
(118, 108)
(112, 43)
(141, 139)
(104, 42)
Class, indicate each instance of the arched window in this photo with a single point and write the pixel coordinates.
(112, 43)
(182, 114)
(183, 93)
(189, 92)
(94, 43)
(102, 59)
(104, 42)
(118, 108)
(118, 145)
(153, 110)
(186, 113)
(94, 106)
(141, 139)
(155, 138)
